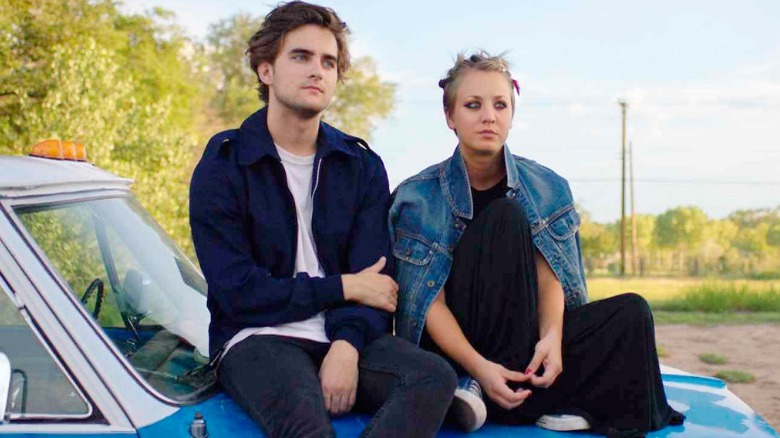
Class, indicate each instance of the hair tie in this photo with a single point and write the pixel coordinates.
(517, 86)
(443, 82)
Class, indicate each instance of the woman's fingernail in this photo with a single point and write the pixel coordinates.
(527, 371)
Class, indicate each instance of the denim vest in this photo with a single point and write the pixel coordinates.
(427, 221)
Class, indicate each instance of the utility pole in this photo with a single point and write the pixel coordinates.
(633, 209)
(623, 106)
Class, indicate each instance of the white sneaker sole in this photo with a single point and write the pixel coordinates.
(563, 423)
(468, 410)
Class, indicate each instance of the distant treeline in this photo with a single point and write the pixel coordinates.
(140, 93)
(684, 241)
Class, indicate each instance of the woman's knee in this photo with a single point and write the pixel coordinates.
(634, 306)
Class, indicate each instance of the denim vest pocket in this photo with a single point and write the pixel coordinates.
(564, 224)
(412, 249)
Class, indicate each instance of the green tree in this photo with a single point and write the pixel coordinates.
(681, 228)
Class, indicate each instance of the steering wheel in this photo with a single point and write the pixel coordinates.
(97, 284)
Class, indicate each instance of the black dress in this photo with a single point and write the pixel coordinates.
(611, 372)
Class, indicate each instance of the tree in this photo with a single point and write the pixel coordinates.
(681, 228)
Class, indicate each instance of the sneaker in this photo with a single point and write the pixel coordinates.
(468, 409)
(563, 422)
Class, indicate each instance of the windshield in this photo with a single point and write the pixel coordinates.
(136, 284)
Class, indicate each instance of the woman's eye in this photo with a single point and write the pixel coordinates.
(472, 105)
(501, 105)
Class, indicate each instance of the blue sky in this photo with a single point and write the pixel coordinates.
(702, 79)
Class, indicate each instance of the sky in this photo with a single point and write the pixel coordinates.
(701, 79)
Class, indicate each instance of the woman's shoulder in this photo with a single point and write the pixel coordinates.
(536, 175)
(426, 176)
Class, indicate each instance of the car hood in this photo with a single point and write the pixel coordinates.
(711, 410)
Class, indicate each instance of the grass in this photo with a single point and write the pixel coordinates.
(720, 297)
(712, 359)
(699, 301)
(735, 376)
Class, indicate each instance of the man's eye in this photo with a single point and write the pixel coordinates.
(329, 63)
(298, 56)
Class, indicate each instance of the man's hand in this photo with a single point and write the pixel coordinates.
(371, 288)
(548, 353)
(339, 377)
(493, 378)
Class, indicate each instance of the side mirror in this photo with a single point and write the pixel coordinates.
(5, 384)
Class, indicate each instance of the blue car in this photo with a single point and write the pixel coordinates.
(104, 325)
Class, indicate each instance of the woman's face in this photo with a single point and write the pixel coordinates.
(482, 112)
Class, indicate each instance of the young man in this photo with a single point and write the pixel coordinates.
(289, 220)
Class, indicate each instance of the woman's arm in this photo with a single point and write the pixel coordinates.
(550, 312)
(446, 333)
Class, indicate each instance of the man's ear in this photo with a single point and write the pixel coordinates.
(265, 71)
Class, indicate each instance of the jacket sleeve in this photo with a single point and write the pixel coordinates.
(245, 292)
(369, 240)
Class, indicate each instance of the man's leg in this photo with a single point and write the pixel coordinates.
(409, 389)
(274, 379)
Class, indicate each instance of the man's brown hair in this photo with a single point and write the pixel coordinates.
(265, 43)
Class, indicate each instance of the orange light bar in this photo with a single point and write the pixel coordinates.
(60, 150)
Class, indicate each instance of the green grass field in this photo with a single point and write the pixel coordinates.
(699, 301)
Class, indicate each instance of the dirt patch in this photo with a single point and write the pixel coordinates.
(751, 348)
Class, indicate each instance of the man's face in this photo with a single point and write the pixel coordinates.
(303, 76)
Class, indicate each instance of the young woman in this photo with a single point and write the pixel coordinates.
(491, 277)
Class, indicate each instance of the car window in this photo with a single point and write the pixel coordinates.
(135, 283)
(39, 387)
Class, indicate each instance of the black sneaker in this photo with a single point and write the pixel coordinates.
(468, 409)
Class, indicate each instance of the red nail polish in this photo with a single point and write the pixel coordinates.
(527, 371)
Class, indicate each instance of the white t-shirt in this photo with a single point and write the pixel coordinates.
(299, 178)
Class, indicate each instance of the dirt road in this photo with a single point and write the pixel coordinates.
(751, 348)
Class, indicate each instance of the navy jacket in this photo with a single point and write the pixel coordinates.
(244, 228)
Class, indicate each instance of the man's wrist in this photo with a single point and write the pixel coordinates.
(345, 348)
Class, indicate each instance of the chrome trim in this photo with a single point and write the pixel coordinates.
(5, 383)
(65, 428)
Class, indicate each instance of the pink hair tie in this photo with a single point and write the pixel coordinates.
(516, 85)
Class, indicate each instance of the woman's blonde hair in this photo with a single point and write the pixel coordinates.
(482, 61)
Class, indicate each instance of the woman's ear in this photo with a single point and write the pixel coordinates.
(450, 122)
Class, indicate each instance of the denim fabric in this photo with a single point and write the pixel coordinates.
(275, 379)
(430, 211)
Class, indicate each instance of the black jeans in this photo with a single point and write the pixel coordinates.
(275, 379)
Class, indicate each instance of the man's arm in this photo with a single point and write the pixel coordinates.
(369, 240)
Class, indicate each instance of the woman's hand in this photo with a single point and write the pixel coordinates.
(547, 353)
(493, 378)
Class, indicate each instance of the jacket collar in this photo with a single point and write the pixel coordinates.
(456, 186)
(255, 140)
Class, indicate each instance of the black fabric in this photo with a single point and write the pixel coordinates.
(481, 198)
(611, 368)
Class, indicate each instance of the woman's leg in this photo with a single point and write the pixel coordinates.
(610, 370)
(491, 289)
